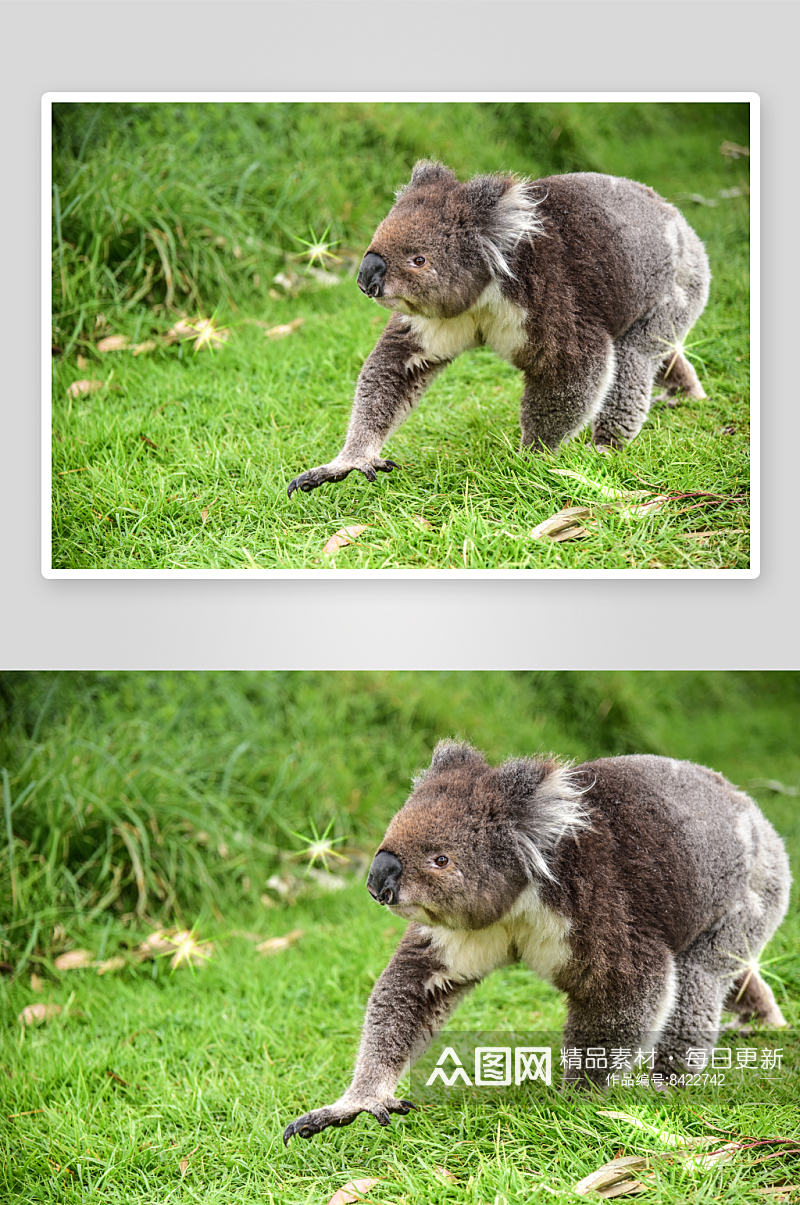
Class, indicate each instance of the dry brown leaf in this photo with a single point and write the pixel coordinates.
(565, 524)
(614, 1179)
(114, 343)
(287, 328)
(422, 522)
(289, 281)
(37, 984)
(181, 330)
(655, 503)
(111, 964)
(274, 944)
(73, 960)
(732, 150)
(445, 1174)
(153, 945)
(726, 1151)
(184, 1166)
(204, 515)
(82, 362)
(79, 387)
(344, 536)
(781, 1192)
(148, 345)
(34, 1013)
(118, 1079)
(353, 1190)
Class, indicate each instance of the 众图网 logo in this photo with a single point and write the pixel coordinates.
(493, 1066)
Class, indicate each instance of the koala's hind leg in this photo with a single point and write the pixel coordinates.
(694, 1022)
(627, 402)
(650, 353)
(753, 1000)
(676, 375)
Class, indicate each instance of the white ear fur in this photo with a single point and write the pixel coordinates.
(555, 811)
(513, 219)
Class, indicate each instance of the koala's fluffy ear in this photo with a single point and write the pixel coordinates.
(545, 798)
(506, 213)
(449, 754)
(428, 171)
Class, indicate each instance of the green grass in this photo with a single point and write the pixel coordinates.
(139, 1073)
(145, 1068)
(181, 460)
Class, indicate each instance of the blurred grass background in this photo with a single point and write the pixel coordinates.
(135, 798)
(159, 207)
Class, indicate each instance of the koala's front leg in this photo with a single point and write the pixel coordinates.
(408, 1006)
(394, 377)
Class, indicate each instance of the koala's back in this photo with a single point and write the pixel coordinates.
(612, 242)
(673, 847)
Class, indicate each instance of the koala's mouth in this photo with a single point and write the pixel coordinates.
(412, 912)
(408, 911)
(397, 303)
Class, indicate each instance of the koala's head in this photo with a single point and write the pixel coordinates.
(444, 241)
(472, 837)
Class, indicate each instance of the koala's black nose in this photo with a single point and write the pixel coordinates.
(371, 274)
(384, 876)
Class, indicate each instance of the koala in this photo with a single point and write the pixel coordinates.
(642, 887)
(586, 283)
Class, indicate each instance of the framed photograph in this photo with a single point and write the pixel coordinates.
(406, 335)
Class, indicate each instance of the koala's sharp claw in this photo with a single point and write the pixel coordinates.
(312, 478)
(290, 1132)
(300, 483)
(382, 1117)
(407, 1106)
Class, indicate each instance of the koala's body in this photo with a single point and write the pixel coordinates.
(642, 887)
(586, 283)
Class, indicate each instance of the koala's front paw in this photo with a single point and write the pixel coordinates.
(337, 470)
(342, 1113)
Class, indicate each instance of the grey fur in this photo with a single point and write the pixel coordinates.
(586, 283)
(655, 887)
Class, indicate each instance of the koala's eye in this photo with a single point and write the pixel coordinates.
(442, 860)
(419, 260)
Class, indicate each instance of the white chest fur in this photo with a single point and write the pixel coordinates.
(529, 933)
(493, 320)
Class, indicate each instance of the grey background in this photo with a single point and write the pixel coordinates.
(381, 45)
